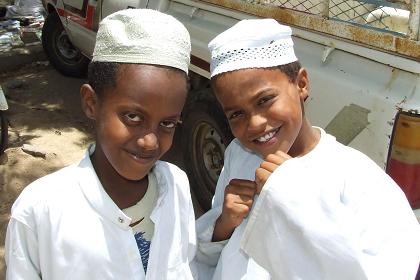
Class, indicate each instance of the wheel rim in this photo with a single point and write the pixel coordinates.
(209, 151)
(66, 48)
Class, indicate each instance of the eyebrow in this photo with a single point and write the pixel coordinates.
(255, 97)
(173, 117)
(141, 109)
(261, 92)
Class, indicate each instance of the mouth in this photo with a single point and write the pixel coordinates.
(143, 157)
(266, 137)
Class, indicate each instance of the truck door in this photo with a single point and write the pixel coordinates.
(111, 6)
(82, 19)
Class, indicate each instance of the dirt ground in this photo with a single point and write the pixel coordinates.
(44, 111)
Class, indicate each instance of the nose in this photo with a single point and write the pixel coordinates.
(256, 123)
(149, 141)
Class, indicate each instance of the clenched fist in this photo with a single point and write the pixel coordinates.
(270, 163)
(239, 196)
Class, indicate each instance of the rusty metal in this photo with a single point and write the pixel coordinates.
(404, 2)
(389, 42)
(414, 20)
(325, 9)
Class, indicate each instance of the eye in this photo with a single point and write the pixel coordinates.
(235, 115)
(133, 117)
(169, 124)
(265, 99)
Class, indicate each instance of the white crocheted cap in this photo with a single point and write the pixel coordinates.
(143, 36)
(252, 43)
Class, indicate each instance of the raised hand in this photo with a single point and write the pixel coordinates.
(270, 163)
(239, 196)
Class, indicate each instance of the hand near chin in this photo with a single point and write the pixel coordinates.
(270, 163)
(239, 196)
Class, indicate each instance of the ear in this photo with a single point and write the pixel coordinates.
(302, 83)
(89, 101)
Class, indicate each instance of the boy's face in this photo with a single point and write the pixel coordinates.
(263, 107)
(136, 120)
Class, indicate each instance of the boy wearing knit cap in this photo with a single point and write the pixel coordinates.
(119, 213)
(292, 202)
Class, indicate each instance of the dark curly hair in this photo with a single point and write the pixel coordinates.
(291, 70)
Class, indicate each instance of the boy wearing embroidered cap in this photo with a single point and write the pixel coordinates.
(120, 213)
(292, 202)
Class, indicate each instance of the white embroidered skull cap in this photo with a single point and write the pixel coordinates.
(252, 43)
(143, 36)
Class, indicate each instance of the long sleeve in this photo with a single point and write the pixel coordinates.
(22, 259)
(208, 251)
(192, 241)
(223, 259)
(333, 221)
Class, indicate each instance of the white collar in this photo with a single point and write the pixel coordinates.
(101, 201)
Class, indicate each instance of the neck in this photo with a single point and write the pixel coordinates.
(123, 192)
(306, 140)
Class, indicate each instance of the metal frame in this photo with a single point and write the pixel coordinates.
(406, 45)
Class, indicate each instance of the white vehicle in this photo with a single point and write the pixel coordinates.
(362, 56)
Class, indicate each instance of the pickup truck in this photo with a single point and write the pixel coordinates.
(362, 56)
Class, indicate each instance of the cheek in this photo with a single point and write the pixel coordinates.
(234, 128)
(239, 131)
(165, 142)
(111, 128)
(290, 112)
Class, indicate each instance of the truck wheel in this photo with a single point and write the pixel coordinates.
(206, 134)
(60, 51)
(4, 133)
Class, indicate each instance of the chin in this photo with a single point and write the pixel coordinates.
(137, 176)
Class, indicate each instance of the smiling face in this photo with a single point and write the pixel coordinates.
(135, 120)
(265, 109)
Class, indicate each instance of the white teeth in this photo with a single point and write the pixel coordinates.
(266, 137)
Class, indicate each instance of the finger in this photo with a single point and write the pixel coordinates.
(237, 209)
(241, 210)
(242, 183)
(261, 176)
(269, 166)
(234, 202)
(277, 159)
(240, 190)
(245, 199)
(283, 154)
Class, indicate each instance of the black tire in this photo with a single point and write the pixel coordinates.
(205, 134)
(66, 58)
(4, 134)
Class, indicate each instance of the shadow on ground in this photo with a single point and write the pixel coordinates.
(44, 111)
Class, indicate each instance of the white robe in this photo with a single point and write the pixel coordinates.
(65, 226)
(331, 214)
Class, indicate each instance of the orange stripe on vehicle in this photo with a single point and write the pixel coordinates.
(405, 155)
(407, 132)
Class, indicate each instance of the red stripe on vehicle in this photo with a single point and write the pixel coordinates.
(408, 178)
(61, 12)
(85, 22)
